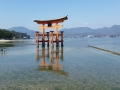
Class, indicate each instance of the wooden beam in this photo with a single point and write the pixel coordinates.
(41, 34)
(58, 26)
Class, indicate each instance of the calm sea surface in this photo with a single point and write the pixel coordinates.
(73, 67)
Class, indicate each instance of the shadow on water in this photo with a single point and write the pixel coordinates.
(7, 44)
(48, 60)
(18, 43)
(116, 53)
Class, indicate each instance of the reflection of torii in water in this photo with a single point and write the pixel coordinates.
(53, 65)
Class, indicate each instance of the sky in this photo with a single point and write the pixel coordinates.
(81, 13)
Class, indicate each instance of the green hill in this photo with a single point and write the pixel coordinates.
(6, 34)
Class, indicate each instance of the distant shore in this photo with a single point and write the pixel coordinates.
(14, 40)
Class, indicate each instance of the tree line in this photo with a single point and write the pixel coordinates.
(6, 34)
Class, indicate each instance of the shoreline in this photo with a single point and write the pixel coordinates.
(3, 41)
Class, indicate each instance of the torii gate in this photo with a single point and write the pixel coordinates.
(49, 25)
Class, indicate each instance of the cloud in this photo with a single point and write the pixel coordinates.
(84, 24)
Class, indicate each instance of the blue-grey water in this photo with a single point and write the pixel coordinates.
(73, 67)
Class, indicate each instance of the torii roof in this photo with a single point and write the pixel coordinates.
(51, 21)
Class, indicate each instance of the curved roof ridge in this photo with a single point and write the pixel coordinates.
(59, 20)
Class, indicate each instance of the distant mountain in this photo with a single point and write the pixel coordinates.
(78, 31)
(84, 31)
(23, 30)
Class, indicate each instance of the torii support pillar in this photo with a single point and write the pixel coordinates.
(57, 37)
(43, 41)
(61, 38)
(37, 39)
(51, 38)
(47, 39)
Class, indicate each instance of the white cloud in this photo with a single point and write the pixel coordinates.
(84, 24)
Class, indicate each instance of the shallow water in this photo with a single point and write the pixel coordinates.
(73, 67)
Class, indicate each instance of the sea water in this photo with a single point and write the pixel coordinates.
(73, 67)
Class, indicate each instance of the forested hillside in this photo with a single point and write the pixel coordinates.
(6, 34)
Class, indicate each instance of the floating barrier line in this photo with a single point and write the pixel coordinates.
(116, 53)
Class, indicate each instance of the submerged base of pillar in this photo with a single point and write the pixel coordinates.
(62, 45)
(52, 45)
(57, 45)
(43, 45)
(37, 45)
(47, 45)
